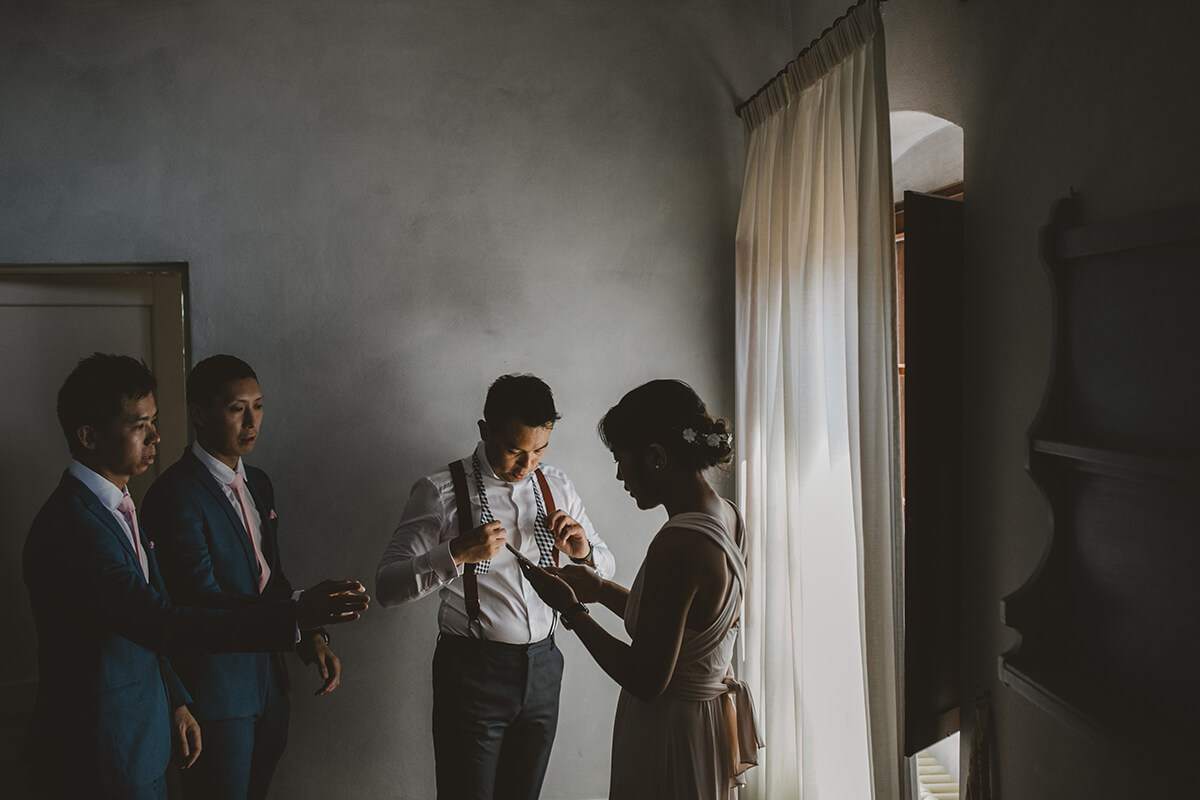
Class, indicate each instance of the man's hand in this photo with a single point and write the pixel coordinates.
(585, 581)
(569, 535)
(478, 545)
(331, 602)
(329, 665)
(187, 735)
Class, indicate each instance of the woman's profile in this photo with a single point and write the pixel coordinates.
(684, 728)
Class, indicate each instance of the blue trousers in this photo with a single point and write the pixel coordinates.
(238, 756)
(495, 712)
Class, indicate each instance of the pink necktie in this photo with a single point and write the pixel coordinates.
(127, 511)
(238, 484)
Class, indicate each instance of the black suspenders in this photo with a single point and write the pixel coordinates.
(466, 523)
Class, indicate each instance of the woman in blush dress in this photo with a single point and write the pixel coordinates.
(684, 727)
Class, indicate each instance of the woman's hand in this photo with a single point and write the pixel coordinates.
(556, 592)
(585, 581)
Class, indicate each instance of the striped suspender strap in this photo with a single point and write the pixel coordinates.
(465, 525)
(548, 499)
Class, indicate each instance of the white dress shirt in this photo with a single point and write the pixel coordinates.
(418, 559)
(110, 496)
(224, 476)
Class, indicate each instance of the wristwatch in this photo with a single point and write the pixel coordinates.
(567, 615)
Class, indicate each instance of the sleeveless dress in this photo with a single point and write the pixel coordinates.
(693, 741)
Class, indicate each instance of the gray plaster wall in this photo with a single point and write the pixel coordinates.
(1051, 95)
(383, 206)
(386, 204)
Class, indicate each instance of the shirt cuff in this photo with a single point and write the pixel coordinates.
(441, 561)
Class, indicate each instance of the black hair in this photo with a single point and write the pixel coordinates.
(668, 413)
(525, 398)
(96, 390)
(208, 377)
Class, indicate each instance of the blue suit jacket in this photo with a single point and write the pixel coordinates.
(105, 690)
(208, 561)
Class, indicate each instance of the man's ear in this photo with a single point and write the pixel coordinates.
(483, 430)
(86, 435)
(196, 415)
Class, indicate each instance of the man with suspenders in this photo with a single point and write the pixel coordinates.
(496, 670)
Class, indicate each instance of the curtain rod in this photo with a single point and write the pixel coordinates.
(740, 107)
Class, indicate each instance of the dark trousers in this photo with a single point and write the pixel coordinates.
(151, 791)
(238, 756)
(495, 711)
(69, 789)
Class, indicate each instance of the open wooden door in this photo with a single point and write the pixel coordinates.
(931, 355)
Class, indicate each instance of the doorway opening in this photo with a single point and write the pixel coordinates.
(52, 315)
(927, 170)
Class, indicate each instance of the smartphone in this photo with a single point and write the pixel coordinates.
(524, 562)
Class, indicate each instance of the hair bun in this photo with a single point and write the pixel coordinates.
(670, 413)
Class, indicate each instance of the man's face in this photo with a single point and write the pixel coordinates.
(127, 445)
(228, 426)
(513, 448)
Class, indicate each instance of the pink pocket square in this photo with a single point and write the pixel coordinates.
(151, 541)
(273, 515)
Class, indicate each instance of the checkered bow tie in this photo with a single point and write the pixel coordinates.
(541, 532)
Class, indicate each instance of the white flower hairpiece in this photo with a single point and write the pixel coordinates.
(711, 440)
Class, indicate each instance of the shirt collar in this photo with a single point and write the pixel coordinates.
(101, 486)
(222, 473)
(485, 466)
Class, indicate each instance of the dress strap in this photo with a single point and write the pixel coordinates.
(712, 528)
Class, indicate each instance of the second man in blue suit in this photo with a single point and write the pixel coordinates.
(218, 547)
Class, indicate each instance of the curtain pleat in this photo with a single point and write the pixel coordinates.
(817, 420)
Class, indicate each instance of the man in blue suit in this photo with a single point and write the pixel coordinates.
(218, 545)
(107, 697)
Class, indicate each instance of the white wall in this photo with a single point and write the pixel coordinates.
(384, 205)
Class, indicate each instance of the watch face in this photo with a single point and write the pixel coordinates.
(569, 614)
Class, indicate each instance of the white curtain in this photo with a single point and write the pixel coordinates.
(817, 421)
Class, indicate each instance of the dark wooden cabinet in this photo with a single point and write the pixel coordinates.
(1109, 622)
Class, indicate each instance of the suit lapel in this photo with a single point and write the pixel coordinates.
(216, 496)
(105, 516)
